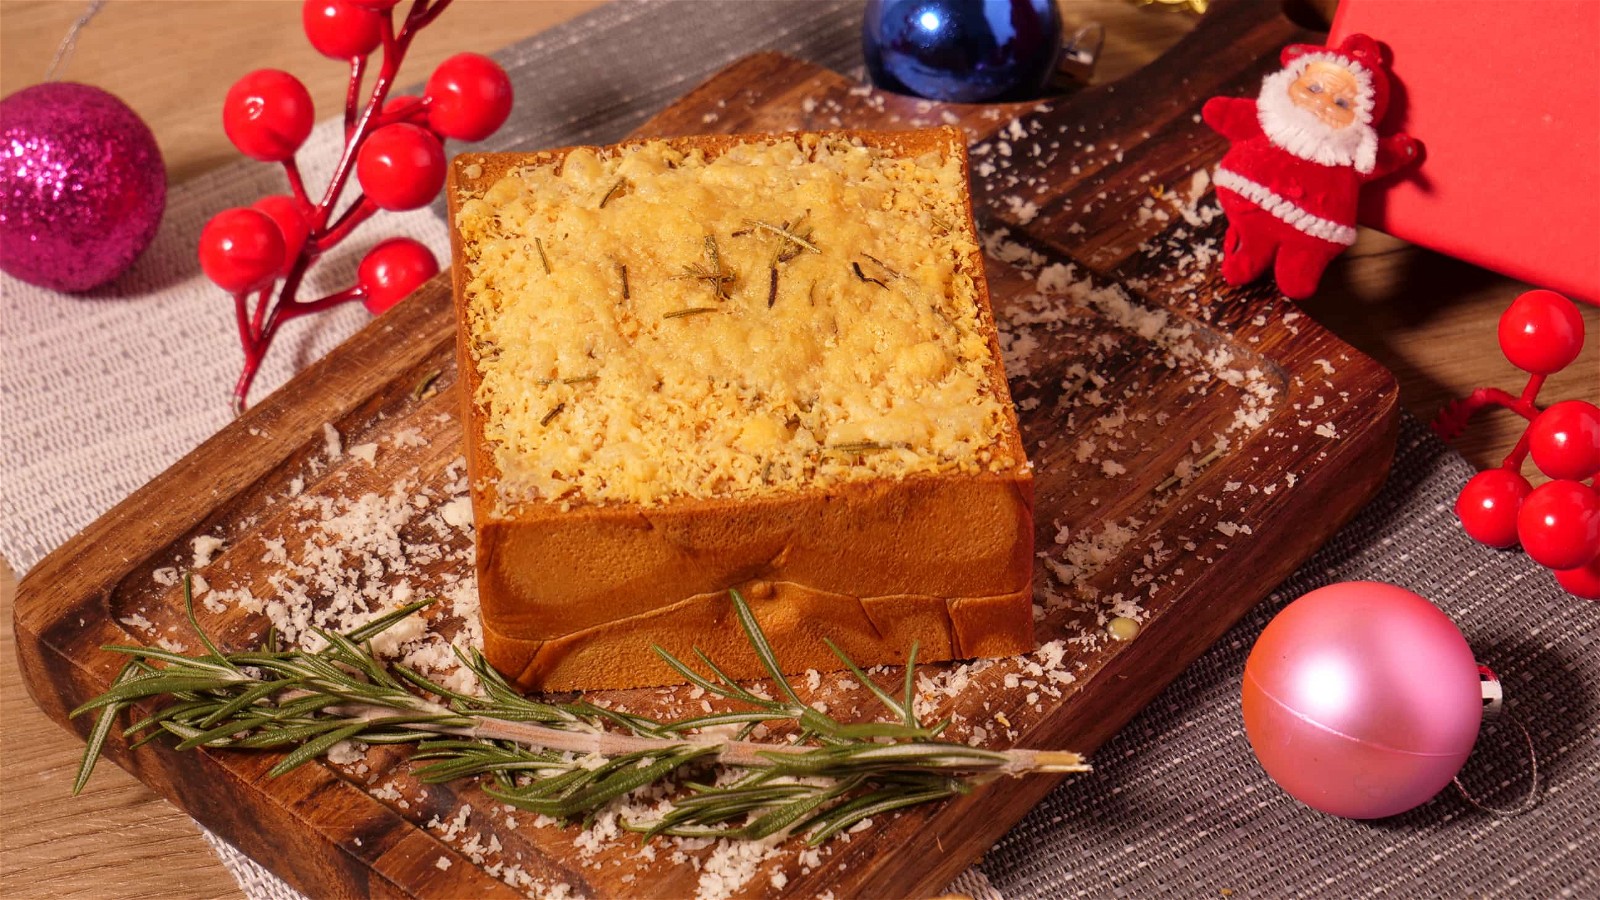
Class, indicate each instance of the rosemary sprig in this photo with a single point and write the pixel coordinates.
(788, 233)
(793, 242)
(563, 760)
(714, 273)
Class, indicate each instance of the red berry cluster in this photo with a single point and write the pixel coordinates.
(1557, 523)
(394, 145)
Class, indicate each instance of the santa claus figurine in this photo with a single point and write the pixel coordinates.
(1301, 151)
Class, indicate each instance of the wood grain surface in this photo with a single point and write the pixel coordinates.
(1428, 318)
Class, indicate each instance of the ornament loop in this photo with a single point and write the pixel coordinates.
(1534, 794)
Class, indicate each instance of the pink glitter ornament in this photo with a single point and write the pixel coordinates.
(82, 186)
(1362, 699)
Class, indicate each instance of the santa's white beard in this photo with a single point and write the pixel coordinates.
(1299, 131)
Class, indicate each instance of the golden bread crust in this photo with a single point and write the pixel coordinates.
(573, 596)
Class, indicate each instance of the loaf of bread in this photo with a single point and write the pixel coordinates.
(764, 363)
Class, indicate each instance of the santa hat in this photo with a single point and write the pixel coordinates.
(1363, 57)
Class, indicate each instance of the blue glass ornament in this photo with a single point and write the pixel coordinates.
(968, 51)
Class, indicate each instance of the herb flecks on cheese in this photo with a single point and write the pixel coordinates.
(652, 325)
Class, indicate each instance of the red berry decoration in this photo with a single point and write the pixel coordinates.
(401, 166)
(1559, 524)
(469, 97)
(340, 29)
(1565, 440)
(1488, 506)
(1541, 332)
(267, 115)
(392, 270)
(285, 212)
(390, 148)
(1582, 582)
(241, 250)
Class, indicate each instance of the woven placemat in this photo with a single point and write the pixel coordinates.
(99, 394)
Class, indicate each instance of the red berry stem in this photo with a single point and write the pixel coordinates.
(421, 13)
(1451, 421)
(263, 303)
(242, 314)
(403, 113)
(358, 212)
(1529, 410)
(1519, 454)
(305, 307)
(297, 184)
(352, 96)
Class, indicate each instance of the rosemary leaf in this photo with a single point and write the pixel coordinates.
(884, 266)
(758, 643)
(772, 288)
(691, 311)
(875, 804)
(554, 411)
(98, 734)
(856, 267)
(314, 748)
(423, 386)
(611, 193)
(387, 621)
(866, 447)
(542, 257)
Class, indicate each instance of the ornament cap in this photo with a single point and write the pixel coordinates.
(1493, 691)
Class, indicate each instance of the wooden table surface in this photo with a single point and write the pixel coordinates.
(1428, 318)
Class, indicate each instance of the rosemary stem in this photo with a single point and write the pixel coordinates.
(742, 754)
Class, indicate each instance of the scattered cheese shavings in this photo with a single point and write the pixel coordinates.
(331, 443)
(205, 546)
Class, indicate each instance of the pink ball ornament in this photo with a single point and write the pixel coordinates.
(82, 186)
(1362, 699)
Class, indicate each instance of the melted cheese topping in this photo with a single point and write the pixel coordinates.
(634, 344)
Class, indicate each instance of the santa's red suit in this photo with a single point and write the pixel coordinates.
(1290, 181)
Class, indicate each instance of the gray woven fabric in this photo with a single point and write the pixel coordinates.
(99, 394)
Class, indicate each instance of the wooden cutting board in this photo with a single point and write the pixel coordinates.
(1194, 444)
